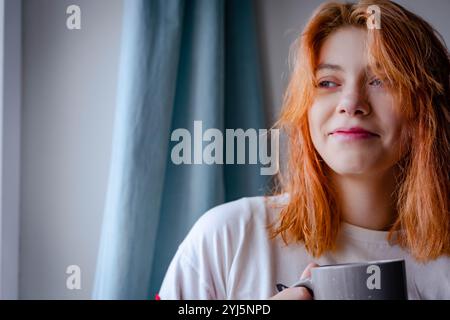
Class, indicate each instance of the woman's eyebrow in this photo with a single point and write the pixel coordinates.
(334, 67)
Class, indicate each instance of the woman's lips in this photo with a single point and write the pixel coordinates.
(353, 134)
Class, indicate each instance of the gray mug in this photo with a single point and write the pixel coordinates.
(377, 280)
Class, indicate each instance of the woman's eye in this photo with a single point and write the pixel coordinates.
(376, 83)
(327, 84)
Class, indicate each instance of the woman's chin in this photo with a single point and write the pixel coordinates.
(353, 170)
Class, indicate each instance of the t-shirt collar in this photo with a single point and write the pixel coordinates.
(364, 234)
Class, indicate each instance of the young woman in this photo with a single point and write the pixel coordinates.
(368, 121)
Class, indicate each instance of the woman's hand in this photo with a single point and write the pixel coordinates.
(297, 293)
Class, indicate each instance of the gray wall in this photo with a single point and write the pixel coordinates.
(10, 118)
(280, 22)
(69, 86)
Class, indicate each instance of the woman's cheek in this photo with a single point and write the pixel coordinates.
(317, 123)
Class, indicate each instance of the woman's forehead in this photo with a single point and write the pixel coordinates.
(345, 50)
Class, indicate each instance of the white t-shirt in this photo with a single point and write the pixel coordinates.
(229, 255)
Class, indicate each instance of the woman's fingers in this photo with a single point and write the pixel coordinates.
(307, 272)
(297, 293)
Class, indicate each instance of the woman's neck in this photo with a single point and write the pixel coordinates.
(367, 201)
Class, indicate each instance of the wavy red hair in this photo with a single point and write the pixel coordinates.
(414, 59)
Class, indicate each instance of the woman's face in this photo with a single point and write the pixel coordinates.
(354, 123)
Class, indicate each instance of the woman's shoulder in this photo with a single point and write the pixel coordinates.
(242, 211)
(227, 236)
(233, 220)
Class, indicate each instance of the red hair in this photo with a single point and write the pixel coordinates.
(411, 55)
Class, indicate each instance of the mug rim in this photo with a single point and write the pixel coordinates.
(357, 264)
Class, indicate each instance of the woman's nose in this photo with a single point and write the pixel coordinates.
(354, 102)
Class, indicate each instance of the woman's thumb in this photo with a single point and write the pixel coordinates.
(307, 272)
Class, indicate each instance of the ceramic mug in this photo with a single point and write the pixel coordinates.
(377, 280)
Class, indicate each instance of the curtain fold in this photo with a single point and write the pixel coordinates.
(181, 61)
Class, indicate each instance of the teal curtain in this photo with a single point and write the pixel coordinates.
(181, 61)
